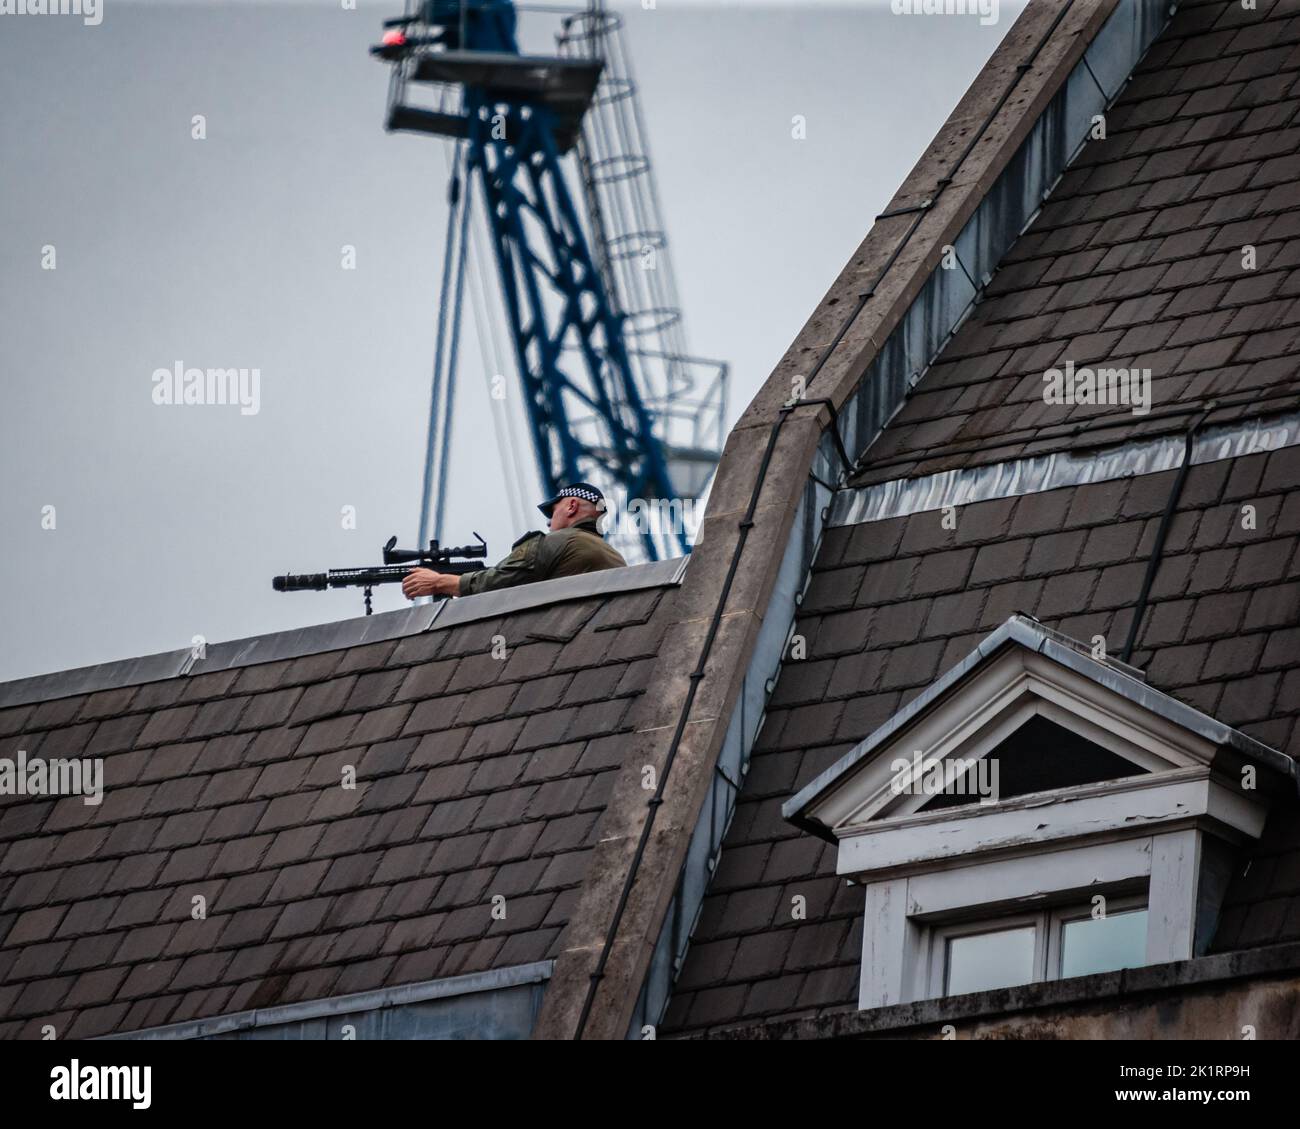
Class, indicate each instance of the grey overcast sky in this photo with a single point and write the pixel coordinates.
(226, 252)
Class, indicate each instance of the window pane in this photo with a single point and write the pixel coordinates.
(1118, 940)
(983, 961)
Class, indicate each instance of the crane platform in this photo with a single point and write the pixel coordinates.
(566, 87)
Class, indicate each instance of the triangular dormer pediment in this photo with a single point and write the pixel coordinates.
(1041, 756)
(1033, 737)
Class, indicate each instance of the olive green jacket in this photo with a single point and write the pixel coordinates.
(544, 556)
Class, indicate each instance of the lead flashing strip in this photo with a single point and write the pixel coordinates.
(322, 637)
(903, 497)
(493, 980)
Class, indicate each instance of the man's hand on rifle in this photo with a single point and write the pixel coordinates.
(426, 582)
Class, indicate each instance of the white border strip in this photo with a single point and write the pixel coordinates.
(904, 496)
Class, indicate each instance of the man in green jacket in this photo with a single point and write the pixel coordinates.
(574, 545)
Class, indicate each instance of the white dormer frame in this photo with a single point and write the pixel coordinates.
(1169, 834)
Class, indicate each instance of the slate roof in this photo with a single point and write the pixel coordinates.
(893, 604)
(1134, 260)
(476, 776)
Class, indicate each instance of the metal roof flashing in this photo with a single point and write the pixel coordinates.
(322, 637)
(349, 1006)
(1070, 653)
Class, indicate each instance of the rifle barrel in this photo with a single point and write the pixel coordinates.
(361, 577)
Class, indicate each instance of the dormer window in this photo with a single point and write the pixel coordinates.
(1037, 814)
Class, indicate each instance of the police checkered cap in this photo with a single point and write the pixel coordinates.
(584, 490)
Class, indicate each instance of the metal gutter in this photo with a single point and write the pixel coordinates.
(321, 637)
(1032, 635)
(492, 980)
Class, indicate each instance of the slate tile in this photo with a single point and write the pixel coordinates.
(716, 1005)
(277, 779)
(1232, 657)
(380, 725)
(1248, 699)
(632, 643)
(1273, 606)
(167, 726)
(556, 798)
(35, 925)
(286, 811)
(325, 736)
(367, 657)
(292, 845)
(48, 715)
(511, 842)
(217, 717)
(263, 676)
(300, 917)
(374, 689)
(433, 715)
(794, 858)
(426, 680)
(485, 705)
(312, 668)
(224, 752)
(214, 684)
(42, 997)
(566, 833)
(86, 952)
(239, 819)
(637, 674)
(136, 871)
(247, 927)
(916, 665)
(321, 700)
(588, 685)
(452, 817)
(268, 709)
(246, 890)
(280, 744)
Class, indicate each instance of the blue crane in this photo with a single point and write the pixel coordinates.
(610, 393)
